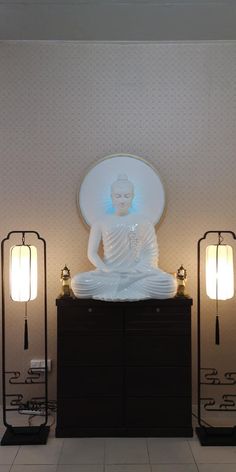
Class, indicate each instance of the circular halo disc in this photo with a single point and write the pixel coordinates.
(94, 194)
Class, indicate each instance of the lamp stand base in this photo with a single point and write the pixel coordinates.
(216, 436)
(25, 435)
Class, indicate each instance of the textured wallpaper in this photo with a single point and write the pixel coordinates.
(66, 105)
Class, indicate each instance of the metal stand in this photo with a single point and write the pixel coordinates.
(25, 435)
(216, 436)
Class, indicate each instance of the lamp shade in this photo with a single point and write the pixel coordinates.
(219, 272)
(23, 273)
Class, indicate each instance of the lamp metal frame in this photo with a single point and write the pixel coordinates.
(23, 435)
(210, 435)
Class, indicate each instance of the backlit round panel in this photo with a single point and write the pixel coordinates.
(94, 194)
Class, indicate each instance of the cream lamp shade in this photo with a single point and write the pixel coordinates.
(219, 272)
(23, 273)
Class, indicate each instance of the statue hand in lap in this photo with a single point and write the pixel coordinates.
(129, 268)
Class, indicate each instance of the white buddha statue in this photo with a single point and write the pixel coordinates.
(129, 269)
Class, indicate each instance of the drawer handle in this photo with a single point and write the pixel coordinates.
(90, 310)
(158, 310)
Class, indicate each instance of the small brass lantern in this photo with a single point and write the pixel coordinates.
(65, 279)
(181, 279)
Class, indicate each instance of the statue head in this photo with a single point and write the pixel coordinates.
(122, 194)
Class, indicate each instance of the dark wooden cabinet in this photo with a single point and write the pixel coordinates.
(124, 368)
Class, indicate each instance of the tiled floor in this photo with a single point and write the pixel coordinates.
(117, 455)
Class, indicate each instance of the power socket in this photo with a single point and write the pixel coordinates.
(38, 365)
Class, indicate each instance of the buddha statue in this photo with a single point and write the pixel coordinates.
(129, 269)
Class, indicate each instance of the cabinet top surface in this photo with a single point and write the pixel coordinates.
(176, 301)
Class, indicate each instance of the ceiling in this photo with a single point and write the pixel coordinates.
(118, 20)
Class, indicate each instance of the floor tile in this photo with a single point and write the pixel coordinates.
(126, 451)
(45, 454)
(82, 451)
(8, 454)
(33, 468)
(216, 467)
(213, 454)
(174, 468)
(169, 450)
(80, 468)
(128, 468)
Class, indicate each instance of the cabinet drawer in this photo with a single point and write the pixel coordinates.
(158, 412)
(158, 319)
(90, 350)
(158, 350)
(89, 380)
(89, 412)
(89, 318)
(154, 381)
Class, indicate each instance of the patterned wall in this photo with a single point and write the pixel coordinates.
(66, 105)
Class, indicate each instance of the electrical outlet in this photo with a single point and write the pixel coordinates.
(39, 365)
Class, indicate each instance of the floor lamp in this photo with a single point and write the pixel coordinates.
(22, 273)
(219, 276)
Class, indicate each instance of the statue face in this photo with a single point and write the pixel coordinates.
(122, 196)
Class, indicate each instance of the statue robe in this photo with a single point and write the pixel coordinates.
(131, 257)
